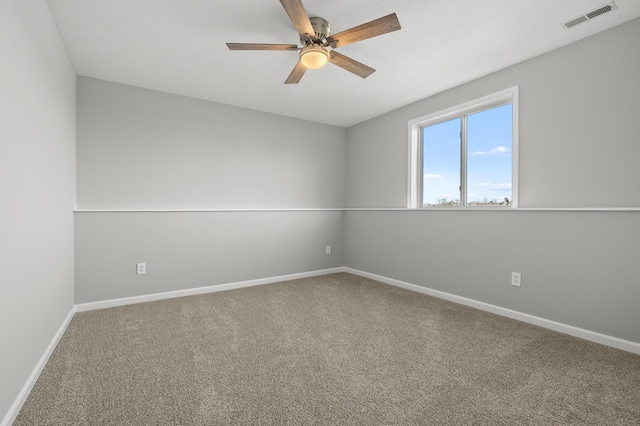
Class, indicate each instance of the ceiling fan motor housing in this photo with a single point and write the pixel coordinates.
(321, 27)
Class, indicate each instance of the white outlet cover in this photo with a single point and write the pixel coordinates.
(516, 279)
(141, 268)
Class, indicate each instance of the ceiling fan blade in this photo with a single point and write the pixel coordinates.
(298, 16)
(261, 46)
(380, 26)
(296, 74)
(359, 69)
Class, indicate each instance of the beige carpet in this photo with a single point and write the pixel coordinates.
(331, 350)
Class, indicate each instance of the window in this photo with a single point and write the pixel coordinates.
(466, 156)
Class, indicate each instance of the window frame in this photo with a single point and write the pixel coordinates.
(415, 179)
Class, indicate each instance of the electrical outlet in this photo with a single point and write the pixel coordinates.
(327, 250)
(516, 278)
(141, 268)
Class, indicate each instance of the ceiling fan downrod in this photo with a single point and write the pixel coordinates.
(322, 30)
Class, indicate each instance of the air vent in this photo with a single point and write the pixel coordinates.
(611, 6)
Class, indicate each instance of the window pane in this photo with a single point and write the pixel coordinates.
(441, 164)
(489, 162)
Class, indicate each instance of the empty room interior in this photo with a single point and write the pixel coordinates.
(153, 161)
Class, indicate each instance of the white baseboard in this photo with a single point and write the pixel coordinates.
(615, 342)
(200, 290)
(11, 415)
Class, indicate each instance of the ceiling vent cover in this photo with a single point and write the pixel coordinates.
(611, 6)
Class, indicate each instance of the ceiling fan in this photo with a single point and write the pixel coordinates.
(318, 43)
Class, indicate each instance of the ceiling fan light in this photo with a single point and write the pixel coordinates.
(314, 57)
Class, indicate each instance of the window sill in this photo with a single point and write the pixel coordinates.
(502, 209)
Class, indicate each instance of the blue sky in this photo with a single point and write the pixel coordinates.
(488, 160)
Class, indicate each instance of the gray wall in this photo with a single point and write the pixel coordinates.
(188, 250)
(579, 147)
(141, 149)
(37, 154)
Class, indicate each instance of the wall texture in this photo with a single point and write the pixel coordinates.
(37, 178)
(140, 149)
(578, 149)
(187, 250)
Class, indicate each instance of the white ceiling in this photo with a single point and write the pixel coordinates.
(178, 46)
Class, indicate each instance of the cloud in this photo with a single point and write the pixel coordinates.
(494, 186)
(495, 151)
(499, 150)
(432, 176)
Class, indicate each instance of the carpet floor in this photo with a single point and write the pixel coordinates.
(332, 350)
